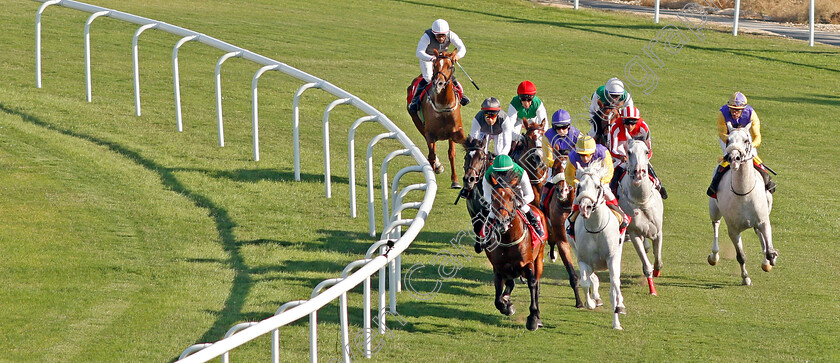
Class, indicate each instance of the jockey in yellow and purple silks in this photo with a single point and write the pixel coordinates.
(587, 152)
(561, 137)
(737, 114)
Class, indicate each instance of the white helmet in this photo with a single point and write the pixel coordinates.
(440, 26)
(615, 86)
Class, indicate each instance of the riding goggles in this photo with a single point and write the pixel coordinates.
(560, 127)
(526, 97)
(490, 114)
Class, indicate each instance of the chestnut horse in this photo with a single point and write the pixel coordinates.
(529, 155)
(440, 113)
(604, 118)
(559, 208)
(512, 253)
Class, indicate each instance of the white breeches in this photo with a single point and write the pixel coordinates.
(426, 70)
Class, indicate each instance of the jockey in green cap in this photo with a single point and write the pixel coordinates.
(505, 169)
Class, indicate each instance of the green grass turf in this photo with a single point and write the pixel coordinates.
(124, 240)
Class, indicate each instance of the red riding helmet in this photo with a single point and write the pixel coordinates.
(526, 88)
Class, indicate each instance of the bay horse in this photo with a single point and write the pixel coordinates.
(529, 155)
(440, 113)
(476, 161)
(597, 240)
(638, 197)
(559, 208)
(743, 202)
(512, 253)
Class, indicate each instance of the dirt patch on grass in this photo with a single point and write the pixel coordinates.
(792, 11)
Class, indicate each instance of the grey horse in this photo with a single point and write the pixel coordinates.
(638, 197)
(597, 243)
(743, 202)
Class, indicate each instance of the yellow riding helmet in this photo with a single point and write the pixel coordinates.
(585, 145)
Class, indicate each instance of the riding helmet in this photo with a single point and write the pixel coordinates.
(440, 26)
(526, 88)
(561, 118)
(491, 104)
(737, 101)
(614, 86)
(585, 145)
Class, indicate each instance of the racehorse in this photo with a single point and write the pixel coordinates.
(512, 253)
(638, 197)
(597, 240)
(529, 155)
(743, 202)
(476, 162)
(440, 113)
(558, 210)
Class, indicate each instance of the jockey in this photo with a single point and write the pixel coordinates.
(562, 138)
(491, 122)
(737, 114)
(586, 152)
(630, 126)
(437, 37)
(612, 95)
(503, 167)
(526, 105)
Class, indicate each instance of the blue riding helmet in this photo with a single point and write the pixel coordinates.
(561, 118)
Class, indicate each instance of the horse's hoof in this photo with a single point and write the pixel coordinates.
(771, 256)
(510, 310)
(455, 185)
(533, 323)
(618, 327)
(621, 310)
(579, 305)
(655, 273)
(713, 259)
(766, 267)
(746, 281)
(599, 302)
(553, 255)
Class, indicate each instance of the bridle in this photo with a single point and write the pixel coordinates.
(505, 222)
(599, 198)
(446, 81)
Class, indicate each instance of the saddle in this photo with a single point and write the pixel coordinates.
(459, 92)
(536, 239)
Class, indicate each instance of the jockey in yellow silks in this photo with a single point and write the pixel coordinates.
(737, 114)
(586, 152)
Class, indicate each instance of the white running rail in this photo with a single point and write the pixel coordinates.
(383, 256)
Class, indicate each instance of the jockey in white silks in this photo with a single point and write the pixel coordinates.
(503, 168)
(612, 95)
(437, 37)
(492, 123)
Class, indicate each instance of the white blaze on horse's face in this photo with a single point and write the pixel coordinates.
(637, 160)
(739, 147)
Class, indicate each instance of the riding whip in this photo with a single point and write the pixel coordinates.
(468, 76)
(768, 169)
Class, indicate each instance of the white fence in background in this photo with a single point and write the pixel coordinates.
(383, 256)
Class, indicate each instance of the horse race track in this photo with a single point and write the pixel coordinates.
(124, 240)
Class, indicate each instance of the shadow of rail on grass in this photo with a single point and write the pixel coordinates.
(231, 310)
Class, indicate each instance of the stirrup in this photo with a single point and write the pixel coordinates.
(465, 100)
(662, 191)
(771, 187)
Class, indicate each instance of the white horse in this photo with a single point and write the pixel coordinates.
(638, 197)
(597, 244)
(743, 202)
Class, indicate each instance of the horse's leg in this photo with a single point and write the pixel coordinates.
(735, 236)
(765, 235)
(596, 286)
(433, 159)
(533, 322)
(455, 184)
(657, 254)
(566, 257)
(508, 290)
(614, 264)
(714, 215)
(498, 281)
(586, 284)
(647, 267)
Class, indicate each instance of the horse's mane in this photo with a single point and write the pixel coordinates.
(473, 143)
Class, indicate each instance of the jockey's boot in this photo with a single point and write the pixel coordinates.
(532, 220)
(617, 174)
(570, 221)
(659, 186)
(415, 101)
(768, 184)
(464, 99)
(478, 247)
(661, 189)
(712, 191)
(625, 220)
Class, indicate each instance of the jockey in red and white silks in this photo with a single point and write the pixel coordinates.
(630, 126)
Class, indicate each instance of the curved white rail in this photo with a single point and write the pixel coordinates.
(392, 242)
